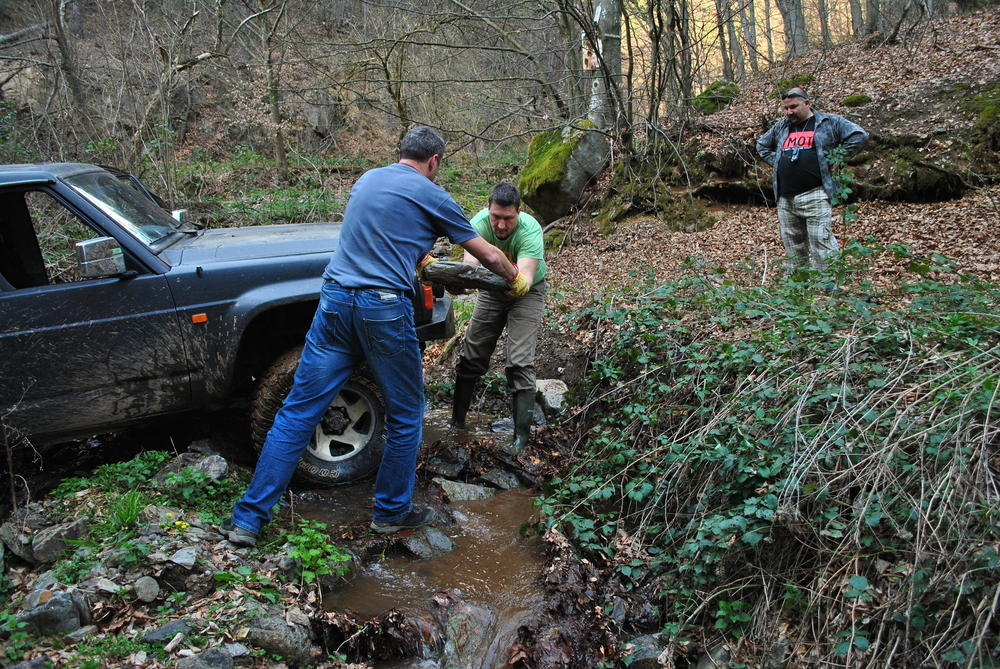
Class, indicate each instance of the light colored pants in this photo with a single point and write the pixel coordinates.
(521, 316)
(804, 223)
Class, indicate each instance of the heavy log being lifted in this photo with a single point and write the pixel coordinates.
(460, 275)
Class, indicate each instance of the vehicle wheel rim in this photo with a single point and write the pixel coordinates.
(347, 427)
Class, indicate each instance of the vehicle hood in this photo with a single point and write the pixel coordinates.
(265, 241)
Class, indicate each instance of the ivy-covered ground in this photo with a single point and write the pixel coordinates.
(803, 467)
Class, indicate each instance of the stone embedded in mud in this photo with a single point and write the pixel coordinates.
(463, 492)
(501, 479)
(425, 543)
(551, 393)
(274, 634)
(645, 652)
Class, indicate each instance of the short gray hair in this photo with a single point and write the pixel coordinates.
(421, 143)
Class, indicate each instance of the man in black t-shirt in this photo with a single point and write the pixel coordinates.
(797, 148)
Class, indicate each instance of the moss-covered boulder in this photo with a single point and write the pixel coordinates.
(638, 188)
(561, 163)
(718, 96)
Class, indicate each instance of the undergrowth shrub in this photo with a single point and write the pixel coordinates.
(810, 464)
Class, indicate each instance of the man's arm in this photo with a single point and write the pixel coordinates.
(528, 266)
(490, 257)
(853, 137)
(766, 146)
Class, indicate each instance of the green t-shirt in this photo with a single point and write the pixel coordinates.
(526, 242)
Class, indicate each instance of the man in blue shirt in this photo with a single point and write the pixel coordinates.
(393, 217)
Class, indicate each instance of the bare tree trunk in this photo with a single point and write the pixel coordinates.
(796, 39)
(606, 105)
(720, 26)
(874, 11)
(273, 68)
(573, 55)
(824, 24)
(735, 47)
(768, 31)
(68, 66)
(857, 18)
(749, 23)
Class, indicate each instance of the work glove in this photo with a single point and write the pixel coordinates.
(518, 285)
(428, 259)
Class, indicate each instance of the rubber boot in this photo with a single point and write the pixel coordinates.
(523, 408)
(464, 389)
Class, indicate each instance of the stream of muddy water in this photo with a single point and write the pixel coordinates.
(491, 563)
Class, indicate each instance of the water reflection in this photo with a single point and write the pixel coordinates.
(491, 564)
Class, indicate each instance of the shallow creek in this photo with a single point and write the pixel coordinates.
(491, 564)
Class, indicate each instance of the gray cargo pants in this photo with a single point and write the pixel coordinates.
(522, 317)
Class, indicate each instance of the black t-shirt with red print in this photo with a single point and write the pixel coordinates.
(798, 164)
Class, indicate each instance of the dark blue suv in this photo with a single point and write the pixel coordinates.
(114, 313)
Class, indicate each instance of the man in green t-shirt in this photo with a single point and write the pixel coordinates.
(519, 236)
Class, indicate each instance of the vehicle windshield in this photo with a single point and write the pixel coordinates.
(123, 203)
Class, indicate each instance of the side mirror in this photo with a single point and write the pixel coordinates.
(99, 258)
(181, 215)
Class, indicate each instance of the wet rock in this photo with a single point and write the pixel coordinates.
(213, 658)
(168, 631)
(426, 543)
(551, 393)
(716, 658)
(53, 613)
(646, 650)
(463, 492)
(465, 626)
(274, 634)
(449, 463)
(501, 479)
(214, 466)
(50, 543)
(147, 589)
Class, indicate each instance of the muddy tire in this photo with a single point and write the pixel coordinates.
(347, 445)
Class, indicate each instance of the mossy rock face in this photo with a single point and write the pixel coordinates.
(900, 173)
(637, 190)
(718, 96)
(781, 86)
(561, 163)
(553, 240)
(856, 100)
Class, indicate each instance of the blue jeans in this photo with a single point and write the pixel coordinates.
(349, 326)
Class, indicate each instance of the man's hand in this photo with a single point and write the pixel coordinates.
(428, 259)
(519, 285)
